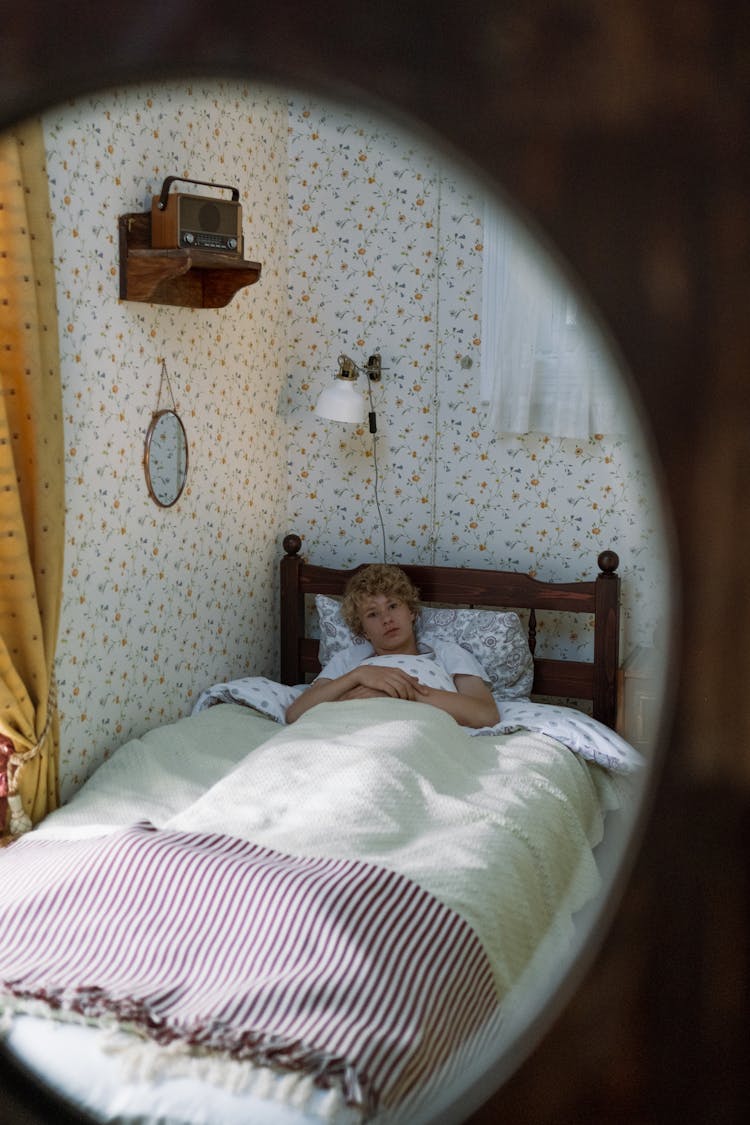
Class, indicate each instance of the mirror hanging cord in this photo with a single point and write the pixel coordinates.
(165, 378)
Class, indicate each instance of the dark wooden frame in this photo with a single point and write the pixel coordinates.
(642, 186)
(464, 586)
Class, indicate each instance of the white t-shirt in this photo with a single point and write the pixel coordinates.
(434, 665)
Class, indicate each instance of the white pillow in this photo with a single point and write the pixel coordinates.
(496, 638)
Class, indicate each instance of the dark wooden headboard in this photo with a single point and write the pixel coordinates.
(568, 679)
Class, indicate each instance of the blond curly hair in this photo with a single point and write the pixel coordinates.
(377, 578)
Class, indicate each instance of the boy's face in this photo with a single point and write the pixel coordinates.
(387, 623)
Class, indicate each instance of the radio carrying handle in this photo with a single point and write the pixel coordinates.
(201, 183)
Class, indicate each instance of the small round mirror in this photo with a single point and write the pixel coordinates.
(166, 458)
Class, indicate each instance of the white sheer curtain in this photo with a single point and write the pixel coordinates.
(544, 369)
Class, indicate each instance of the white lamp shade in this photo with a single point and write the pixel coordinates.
(341, 403)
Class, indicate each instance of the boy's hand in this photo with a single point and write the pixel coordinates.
(388, 681)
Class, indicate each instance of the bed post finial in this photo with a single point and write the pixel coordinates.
(293, 544)
(608, 563)
(606, 639)
(292, 606)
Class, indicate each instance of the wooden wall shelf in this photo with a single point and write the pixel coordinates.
(197, 279)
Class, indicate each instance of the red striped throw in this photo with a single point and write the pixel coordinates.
(346, 971)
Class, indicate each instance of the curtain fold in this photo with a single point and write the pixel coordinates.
(543, 367)
(31, 486)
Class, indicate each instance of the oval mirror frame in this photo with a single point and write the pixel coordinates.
(500, 1060)
(489, 1070)
(165, 458)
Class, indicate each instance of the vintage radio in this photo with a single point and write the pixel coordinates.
(196, 222)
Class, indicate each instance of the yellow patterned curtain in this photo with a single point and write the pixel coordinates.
(31, 486)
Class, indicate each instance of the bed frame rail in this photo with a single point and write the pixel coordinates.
(464, 586)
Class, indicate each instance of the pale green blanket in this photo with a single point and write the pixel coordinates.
(500, 828)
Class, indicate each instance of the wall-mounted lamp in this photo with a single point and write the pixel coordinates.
(341, 402)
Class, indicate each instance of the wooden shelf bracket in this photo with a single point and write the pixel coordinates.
(198, 279)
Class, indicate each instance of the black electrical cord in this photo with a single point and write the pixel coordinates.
(374, 432)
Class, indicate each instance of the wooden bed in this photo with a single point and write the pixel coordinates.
(594, 680)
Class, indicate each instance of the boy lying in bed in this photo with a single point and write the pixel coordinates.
(381, 605)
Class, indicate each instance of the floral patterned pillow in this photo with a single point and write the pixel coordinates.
(496, 638)
(335, 635)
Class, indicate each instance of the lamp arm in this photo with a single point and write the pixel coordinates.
(373, 369)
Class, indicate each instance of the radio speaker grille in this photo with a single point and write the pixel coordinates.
(204, 215)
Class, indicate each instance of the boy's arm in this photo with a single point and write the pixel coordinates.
(471, 704)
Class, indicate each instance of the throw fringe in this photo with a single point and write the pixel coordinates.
(140, 1059)
(144, 1061)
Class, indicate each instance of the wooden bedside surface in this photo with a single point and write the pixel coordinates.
(639, 698)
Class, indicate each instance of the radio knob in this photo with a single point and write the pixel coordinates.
(188, 237)
(232, 243)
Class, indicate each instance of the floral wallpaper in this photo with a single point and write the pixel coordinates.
(160, 603)
(386, 255)
(369, 241)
